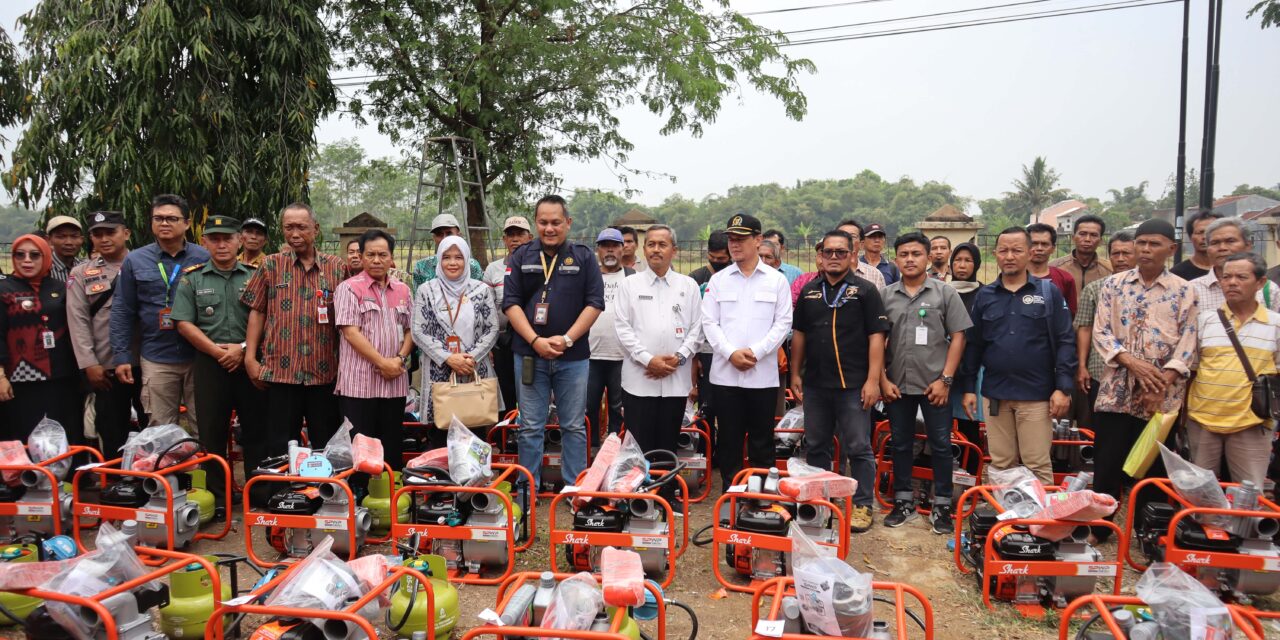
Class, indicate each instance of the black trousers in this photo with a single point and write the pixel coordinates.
(504, 362)
(218, 392)
(60, 399)
(745, 415)
(381, 418)
(706, 398)
(654, 421)
(288, 405)
(112, 416)
(602, 376)
(1114, 435)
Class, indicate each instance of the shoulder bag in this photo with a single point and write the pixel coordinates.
(1266, 389)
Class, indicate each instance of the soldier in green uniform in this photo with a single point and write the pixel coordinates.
(209, 315)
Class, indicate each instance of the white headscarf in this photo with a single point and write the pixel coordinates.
(457, 287)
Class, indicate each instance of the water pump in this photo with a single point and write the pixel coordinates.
(130, 611)
(1015, 545)
(768, 517)
(334, 510)
(184, 519)
(39, 514)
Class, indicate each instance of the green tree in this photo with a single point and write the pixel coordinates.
(1248, 189)
(12, 88)
(534, 82)
(1270, 10)
(345, 182)
(1127, 205)
(1036, 189)
(215, 100)
(1190, 191)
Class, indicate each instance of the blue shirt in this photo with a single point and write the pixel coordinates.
(575, 285)
(791, 272)
(1024, 339)
(887, 269)
(141, 292)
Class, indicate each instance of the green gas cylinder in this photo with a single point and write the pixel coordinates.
(200, 494)
(190, 601)
(15, 604)
(378, 502)
(446, 600)
(629, 627)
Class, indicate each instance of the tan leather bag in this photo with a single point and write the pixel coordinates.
(474, 403)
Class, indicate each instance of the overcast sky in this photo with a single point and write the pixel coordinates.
(1096, 94)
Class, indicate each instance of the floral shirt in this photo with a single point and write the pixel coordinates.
(1156, 323)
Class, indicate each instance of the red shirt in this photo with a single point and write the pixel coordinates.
(1067, 285)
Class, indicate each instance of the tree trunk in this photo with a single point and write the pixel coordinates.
(477, 227)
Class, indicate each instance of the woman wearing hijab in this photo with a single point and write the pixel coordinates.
(455, 324)
(38, 373)
(965, 261)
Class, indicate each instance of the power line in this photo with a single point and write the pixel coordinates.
(814, 6)
(1059, 13)
(916, 17)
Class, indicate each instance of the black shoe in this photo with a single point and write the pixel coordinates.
(904, 511)
(943, 520)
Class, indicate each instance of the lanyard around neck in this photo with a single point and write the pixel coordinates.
(169, 279)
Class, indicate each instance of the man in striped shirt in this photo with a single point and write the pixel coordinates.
(372, 312)
(1219, 419)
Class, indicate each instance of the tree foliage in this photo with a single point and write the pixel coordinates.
(1270, 10)
(345, 182)
(1266, 192)
(12, 89)
(531, 83)
(1036, 189)
(215, 100)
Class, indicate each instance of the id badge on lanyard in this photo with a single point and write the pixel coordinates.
(164, 320)
(322, 309)
(454, 344)
(542, 310)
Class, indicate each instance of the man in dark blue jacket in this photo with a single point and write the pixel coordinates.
(1022, 335)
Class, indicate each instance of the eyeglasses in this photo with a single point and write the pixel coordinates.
(166, 219)
(28, 255)
(834, 253)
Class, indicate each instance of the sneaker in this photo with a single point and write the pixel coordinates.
(903, 512)
(943, 519)
(860, 519)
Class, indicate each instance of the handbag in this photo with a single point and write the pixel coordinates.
(474, 404)
(1265, 402)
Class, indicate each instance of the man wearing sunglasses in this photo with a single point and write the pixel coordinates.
(143, 307)
(442, 226)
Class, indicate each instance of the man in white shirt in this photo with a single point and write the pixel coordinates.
(605, 367)
(516, 232)
(746, 314)
(657, 316)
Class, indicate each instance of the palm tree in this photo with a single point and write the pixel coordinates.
(805, 229)
(1037, 189)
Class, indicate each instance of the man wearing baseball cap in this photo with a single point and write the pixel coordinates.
(253, 242)
(91, 287)
(873, 253)
(605, 366)
(442, 226)
(516, 232)
(66, 238)
(746, 315)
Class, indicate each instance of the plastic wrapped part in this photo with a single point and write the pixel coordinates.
(690, 412)
(48, 440)
(629, 469)
(1078, 482)
(823, 484)
(371, 570)
(470, 458)
(338, 448)
(1074, 506)
(599, 467)
(792, 419)
(28, 575)
(1183, 607)
(798, 468)
(368, 453)
(1196, 485)
(13, 452)
(438, 458)
(144, 448)
(321, 581)
(575, 603)
(835, 599)
(622, 575)
(1018, 490)
(112, 563)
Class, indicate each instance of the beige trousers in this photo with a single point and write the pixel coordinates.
(165, 388)
(1248, 451)
(1021, 433)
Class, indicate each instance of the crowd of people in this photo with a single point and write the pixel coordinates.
(613, 333)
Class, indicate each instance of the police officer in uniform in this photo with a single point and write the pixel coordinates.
(209, 315)
(90, 289)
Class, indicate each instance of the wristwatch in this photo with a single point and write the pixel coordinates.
(568, 342)
(681, 359)
(947, 380)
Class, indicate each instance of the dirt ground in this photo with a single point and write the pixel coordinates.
(911, 554)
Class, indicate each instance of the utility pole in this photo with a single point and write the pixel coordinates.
(1213, 48)
(1179, 207)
